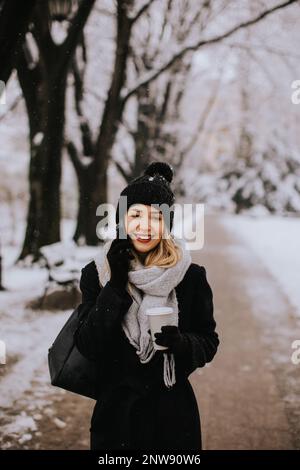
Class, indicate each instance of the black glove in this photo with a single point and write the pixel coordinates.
(119, 256)
(172, 338)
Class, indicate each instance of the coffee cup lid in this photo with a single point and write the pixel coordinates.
(159, 310)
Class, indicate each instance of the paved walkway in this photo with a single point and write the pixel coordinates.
(248, 395)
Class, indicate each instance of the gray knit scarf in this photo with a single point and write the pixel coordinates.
(152, 286)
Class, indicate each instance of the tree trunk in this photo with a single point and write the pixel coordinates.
(45, 101)
(46, 108)
(88, 203)
(109, 126)
(14, 18)
(52, 148)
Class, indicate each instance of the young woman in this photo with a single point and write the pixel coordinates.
(145, 400)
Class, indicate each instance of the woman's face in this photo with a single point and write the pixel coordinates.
(145, 226)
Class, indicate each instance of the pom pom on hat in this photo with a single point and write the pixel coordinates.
(160, 168)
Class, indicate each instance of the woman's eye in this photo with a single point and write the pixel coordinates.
(155, 217)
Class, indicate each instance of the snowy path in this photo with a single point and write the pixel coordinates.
(27, 333)
(34, 336)
(249, 396)
(276, 242)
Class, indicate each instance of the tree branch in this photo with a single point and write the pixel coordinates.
(201, 43)
(73, 154)
(78, 22)
(86, 132)
(203, 119)
(122, 171)
(263, 47)
(126, 126)
(283, 55)
(141, 11)
(13, 105)
(41, 30)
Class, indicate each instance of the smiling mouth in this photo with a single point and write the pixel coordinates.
(142, 238)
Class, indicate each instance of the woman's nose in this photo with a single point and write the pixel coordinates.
(144, 224)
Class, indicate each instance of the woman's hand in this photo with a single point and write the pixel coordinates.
(119, 256)
(172, 338)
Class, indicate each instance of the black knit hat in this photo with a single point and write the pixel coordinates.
(153, 187)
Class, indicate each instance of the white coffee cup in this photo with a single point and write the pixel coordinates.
(158, 317)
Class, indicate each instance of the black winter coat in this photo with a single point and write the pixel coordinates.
(134, 409)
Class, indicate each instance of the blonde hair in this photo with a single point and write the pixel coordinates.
(166, 254)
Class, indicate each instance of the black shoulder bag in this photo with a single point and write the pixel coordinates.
(68, 368)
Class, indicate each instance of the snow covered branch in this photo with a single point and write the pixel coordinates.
(203, 42)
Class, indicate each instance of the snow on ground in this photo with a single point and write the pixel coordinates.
(28, 334)
(276, 241)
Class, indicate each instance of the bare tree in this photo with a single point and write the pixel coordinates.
(159, 103)
(43, 82)
(93, 175)
(14, 18)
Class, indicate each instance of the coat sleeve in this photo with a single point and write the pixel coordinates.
(202, 340)
(101, 312)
